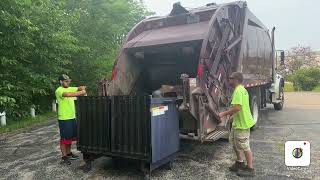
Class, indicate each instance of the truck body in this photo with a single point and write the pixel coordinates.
(190, 54)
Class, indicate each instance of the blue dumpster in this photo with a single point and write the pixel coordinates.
(131, 127)
(164, 131)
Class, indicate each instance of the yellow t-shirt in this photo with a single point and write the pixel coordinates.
(242, 119)
(66, 107)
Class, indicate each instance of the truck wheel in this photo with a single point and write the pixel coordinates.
(279, 106)
(255, 110)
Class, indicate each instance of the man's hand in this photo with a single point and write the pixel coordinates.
(222, 114)
(82, 88)
(83, 92)
(234, 109)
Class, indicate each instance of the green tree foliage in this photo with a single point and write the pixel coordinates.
(41, 39)
(16, 45)
(306, 79)
(101, 28)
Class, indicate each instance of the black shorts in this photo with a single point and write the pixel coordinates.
(68, 131)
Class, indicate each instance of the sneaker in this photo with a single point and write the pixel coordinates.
(246, 172)
(237, 166)
(72, 156)
(65, 160)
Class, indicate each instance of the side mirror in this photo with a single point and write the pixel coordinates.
(282, 57)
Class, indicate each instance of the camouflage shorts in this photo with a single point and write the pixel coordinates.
(240, 139)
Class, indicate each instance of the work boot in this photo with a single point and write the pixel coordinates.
(237, 166)
(72, 156)
(246, 172)
(65, 160)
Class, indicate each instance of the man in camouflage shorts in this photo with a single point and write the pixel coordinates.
(242, 122)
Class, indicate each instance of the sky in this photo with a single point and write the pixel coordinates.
(297, 22)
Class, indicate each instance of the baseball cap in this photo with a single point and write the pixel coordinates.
(64, 77)
(237, 75)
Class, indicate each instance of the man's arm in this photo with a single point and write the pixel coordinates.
(74, 94)
(234, 109)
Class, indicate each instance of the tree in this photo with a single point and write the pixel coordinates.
(36, 45)
(299, 57)
(102, 25)
(55, 45)
(41, 39)
(15, 43)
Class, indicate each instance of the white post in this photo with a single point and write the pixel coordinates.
(32, 112)
(3, 119)
(54, 106)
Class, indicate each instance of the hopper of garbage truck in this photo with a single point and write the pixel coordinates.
(170, 35)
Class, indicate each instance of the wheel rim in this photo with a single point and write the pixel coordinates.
(255, 112)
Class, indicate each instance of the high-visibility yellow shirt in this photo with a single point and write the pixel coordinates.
(242, 119)
(66, 107)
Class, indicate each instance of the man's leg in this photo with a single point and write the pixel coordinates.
(63, 148)
(68, 147)
(70, 155)
(239, 163)
(244, 143)
(72, 125)
(64, 153)
(63, 143)
(247, 171)
(238, 154)
(249, 158)
(232, 140)
(72, 136)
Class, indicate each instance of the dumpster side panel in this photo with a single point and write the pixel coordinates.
(93, 118)
(130, 127)
(165, 129)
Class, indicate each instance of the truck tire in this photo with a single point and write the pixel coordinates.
(279, 106)
(255, 110)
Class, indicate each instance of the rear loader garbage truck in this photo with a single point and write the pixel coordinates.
(190, 54)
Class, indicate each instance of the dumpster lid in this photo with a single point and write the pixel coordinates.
(168, 35)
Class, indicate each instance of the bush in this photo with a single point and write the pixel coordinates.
(317, 89)
(306, 79)
(288, 87)
(290, 77)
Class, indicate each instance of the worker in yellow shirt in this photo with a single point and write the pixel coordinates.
(242, 122)
(66, 116)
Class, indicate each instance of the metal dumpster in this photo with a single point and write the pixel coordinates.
(133, 127)
(93, 119)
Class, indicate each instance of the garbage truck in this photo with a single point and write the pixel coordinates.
(190, 53)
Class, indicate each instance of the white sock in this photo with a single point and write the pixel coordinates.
(240, 161)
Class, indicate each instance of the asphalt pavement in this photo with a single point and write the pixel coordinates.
(33, 153)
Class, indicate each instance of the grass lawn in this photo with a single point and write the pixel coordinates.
(288, 87)
(26, 122)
